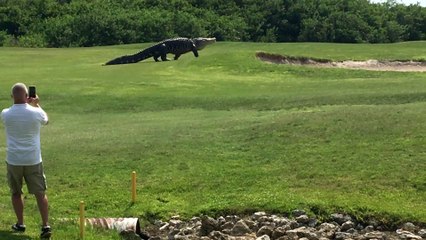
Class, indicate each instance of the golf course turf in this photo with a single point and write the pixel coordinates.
(223, 133)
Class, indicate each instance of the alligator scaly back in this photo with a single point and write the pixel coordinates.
(176, 46)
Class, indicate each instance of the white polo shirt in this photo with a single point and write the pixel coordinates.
(22, 123)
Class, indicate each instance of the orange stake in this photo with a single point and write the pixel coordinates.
(133, 187)
(82, 220)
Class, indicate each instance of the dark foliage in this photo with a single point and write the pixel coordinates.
(66, 23)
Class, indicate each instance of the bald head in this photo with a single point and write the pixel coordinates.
(19, 93)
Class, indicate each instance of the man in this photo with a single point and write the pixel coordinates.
(22, 122)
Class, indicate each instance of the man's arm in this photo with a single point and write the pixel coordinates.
(44, 117)
(35, 102)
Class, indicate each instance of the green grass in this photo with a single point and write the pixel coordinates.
(224, 133)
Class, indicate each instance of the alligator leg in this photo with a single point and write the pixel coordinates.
(164, 57)
(163, 52)
(194, 50)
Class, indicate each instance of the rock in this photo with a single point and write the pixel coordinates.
(403, 234)
(251, 224)
(264, 219)
(227, 231)
(164, 227)
(227, 225)
(293, 224)
(374, 235)
(173, 233)
(197, 229)
(263, 226)
(221, 220)
(303, 219)
(422, 233)
(409, 227)
(293, 234)
(297, 213)
(187, 231)
(265, 230)
(369, 228)
(327, 230)
(280, 221)
(340, 218)
(342, 236)
(302, 232)
(311, 236)
(181, 237)
(327, 227)
(285, 238)
(232, 218)
(312, 222)
(208, 225)
(286, 227)
(373, 223)
(264, 237)
(258, 215)
(359, 227)
(266, 224)
(155, 238)
(240, 228)
(347, 225)
(278, 232)
(175, 223)
(216, 235)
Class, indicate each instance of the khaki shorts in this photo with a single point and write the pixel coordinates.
(33, 175)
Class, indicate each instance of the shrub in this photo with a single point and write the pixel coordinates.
(33, 40)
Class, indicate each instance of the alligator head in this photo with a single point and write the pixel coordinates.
(201, 43)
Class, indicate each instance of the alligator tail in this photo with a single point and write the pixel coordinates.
(142, 55)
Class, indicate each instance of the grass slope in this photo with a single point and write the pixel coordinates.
(223, 133)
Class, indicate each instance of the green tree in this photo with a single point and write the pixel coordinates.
(64, 23)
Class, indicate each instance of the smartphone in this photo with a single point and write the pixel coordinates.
(32, 91)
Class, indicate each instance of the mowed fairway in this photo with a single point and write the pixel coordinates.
(222, 133)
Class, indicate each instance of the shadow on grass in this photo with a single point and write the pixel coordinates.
(13, 236)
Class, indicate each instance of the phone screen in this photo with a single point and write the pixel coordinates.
(32, 91)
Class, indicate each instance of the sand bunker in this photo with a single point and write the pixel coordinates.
(374, 65)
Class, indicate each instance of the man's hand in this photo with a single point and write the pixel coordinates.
(34, 101)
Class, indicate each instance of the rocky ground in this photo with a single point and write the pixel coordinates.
(263, 226)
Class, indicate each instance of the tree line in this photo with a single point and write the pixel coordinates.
(72, 23)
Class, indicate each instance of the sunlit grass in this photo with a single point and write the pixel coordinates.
(223, 133)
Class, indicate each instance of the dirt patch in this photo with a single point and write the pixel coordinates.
(374, 65)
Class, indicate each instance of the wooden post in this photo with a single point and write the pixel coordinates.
(133, 187)
(82, 220)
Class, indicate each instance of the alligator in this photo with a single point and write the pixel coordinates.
(176, 46)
